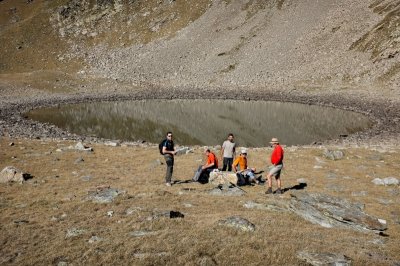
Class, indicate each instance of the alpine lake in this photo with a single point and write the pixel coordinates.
(205, 122)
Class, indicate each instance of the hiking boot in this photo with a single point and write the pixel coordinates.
(269, 191)
(168, 184)
(278, 191)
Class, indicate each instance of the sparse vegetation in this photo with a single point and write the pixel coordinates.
(344, 54)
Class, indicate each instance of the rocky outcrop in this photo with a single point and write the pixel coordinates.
(322, 259)
(329, 211)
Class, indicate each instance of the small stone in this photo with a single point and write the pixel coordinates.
(104, 195)
(86, 178)
(110, 213)
(73, 232)
(80, 147)
(142, 233)
(94, 239)
(238, 223)
(333, 155)
(11, 144)
(183, 150)
(79, 160)
(227, 191)
(378, 181)
(317, 167)
(112, 143)
(390, 181)
(302, 181)
(359, 193)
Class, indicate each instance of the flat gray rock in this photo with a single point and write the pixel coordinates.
(333, 155)
(238, 223)
(324, 259)
(270, 206)
(72, 232)
(95, 239)
(104, 195)
(80, 147)
(388, 181)
(329, 211)
(143, 233)
(227, 191)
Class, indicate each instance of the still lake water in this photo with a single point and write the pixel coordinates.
(205, 122)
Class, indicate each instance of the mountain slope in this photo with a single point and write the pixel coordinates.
(277, 44)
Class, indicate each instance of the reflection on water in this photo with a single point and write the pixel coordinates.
(205, 122)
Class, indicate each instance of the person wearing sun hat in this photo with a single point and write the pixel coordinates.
(277, 165)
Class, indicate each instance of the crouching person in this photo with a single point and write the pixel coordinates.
(203, 172)
(244, 173)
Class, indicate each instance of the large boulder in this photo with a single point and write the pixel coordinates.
(221, 178)
(12, 174)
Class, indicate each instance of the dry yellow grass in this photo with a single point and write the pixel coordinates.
(54, 201)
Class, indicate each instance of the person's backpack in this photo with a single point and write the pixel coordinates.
(161, 145)
(241, 179)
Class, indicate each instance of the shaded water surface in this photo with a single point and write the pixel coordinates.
(205, 122)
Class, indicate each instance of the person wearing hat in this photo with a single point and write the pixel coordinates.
(247, 172)
(277, 165)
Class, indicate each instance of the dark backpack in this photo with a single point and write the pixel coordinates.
(242, 180)
(161, 145)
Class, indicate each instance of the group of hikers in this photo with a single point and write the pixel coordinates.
(245, 174)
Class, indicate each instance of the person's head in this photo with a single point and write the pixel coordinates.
(207, 151)
(243, 153)
(230, 137)
(169, 135)
(274, 141)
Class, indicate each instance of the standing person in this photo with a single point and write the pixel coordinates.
(228, 152)
(203, 171)
(168, 150)
(247, 172)
(277, 165)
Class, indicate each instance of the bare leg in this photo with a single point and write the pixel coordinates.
(279, 183)
(269, 180)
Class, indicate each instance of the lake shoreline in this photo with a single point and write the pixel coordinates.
(383, 112)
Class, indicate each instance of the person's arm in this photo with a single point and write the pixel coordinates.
(234, 165)
(208, 165)
(210, 162)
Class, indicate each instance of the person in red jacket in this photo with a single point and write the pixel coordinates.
(277, 165)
